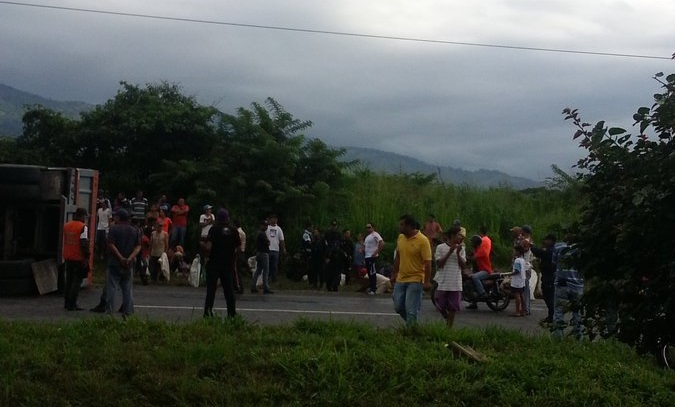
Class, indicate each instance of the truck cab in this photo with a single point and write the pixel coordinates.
(35, 203)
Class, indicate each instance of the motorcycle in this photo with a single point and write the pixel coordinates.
(497, 297)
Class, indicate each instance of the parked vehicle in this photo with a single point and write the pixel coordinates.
(35, 203)
(497, 296)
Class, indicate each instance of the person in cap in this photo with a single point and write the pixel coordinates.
(222, 244)
(124, 244)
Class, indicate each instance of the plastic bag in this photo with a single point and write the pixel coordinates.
(195, 272)
(164, 265)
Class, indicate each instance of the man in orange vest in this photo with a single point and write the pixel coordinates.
(75, 256)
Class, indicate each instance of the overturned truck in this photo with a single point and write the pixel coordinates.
(35, 203)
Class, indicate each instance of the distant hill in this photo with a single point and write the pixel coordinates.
(391, 163)
(13, 104)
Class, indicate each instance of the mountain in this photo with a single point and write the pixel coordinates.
(391, 163)
(13, 104)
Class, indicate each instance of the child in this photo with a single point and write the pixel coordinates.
(451, 260)
(518, 279)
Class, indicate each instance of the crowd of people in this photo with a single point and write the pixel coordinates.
(136, 235)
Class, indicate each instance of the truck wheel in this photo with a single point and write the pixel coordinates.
(16, 269)
(19, 175)
(16, 287)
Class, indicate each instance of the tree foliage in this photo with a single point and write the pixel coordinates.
(156, 139)
(628, 221)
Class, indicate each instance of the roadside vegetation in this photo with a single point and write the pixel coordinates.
(102, 362)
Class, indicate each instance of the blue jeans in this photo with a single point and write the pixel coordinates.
(407, 301)
(526, 297)
(178, 235)
(262, 266)
(477, 279)
(274, 264)
(118, 278)
(568, 297)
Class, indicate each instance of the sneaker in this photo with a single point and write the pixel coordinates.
(369, 292)
(268, 292)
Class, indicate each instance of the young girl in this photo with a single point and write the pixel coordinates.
(450, 259)
(518, 279)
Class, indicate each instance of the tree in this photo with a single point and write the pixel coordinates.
(626, 232)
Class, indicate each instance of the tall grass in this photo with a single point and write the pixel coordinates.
(382, 199)
(104, 362)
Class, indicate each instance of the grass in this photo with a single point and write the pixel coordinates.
(105, 362)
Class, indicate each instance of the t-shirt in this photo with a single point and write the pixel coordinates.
(519, 268)
(275, 235)
(179, 219)
(262, 243)
(125, 238)
(413, 252)
(224, 243)
(166, 223)
(371, 242)
(205, 229)
(104, 217)
(432, 229)
(482, 259)
(449, 277)
(138, 208)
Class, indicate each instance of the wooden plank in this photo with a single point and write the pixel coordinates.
(466, 351)
(46, 276)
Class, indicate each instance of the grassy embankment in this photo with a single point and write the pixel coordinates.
(104, 362)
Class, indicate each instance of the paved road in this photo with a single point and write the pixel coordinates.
(184, 304)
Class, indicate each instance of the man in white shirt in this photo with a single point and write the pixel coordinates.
(277, 244)
(373, 245)
(104, 216)
(206, 221)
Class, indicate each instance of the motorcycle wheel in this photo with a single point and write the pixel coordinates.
(498, 301)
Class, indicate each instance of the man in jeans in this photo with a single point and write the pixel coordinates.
(412, 269)
(277, 245)
(124, 243)
(569, 288)
(482, 265)
(262, 260)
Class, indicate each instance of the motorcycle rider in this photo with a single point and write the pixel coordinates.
(482, 267)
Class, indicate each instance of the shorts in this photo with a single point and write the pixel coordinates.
(518, 290)
(448, 301)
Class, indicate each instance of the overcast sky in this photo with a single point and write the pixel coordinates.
(460, 105)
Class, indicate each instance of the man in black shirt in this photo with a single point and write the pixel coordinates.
(222, 243)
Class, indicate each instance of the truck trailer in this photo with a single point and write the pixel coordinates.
(35, 203)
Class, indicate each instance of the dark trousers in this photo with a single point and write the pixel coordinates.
(225, 273)
(333, 270)
(74, 270)
(372, 273)
(154, 267)
(548, 292)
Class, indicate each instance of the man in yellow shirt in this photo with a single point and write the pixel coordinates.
(412, 269)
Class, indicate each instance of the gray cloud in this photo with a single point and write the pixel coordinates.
(469, 107)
